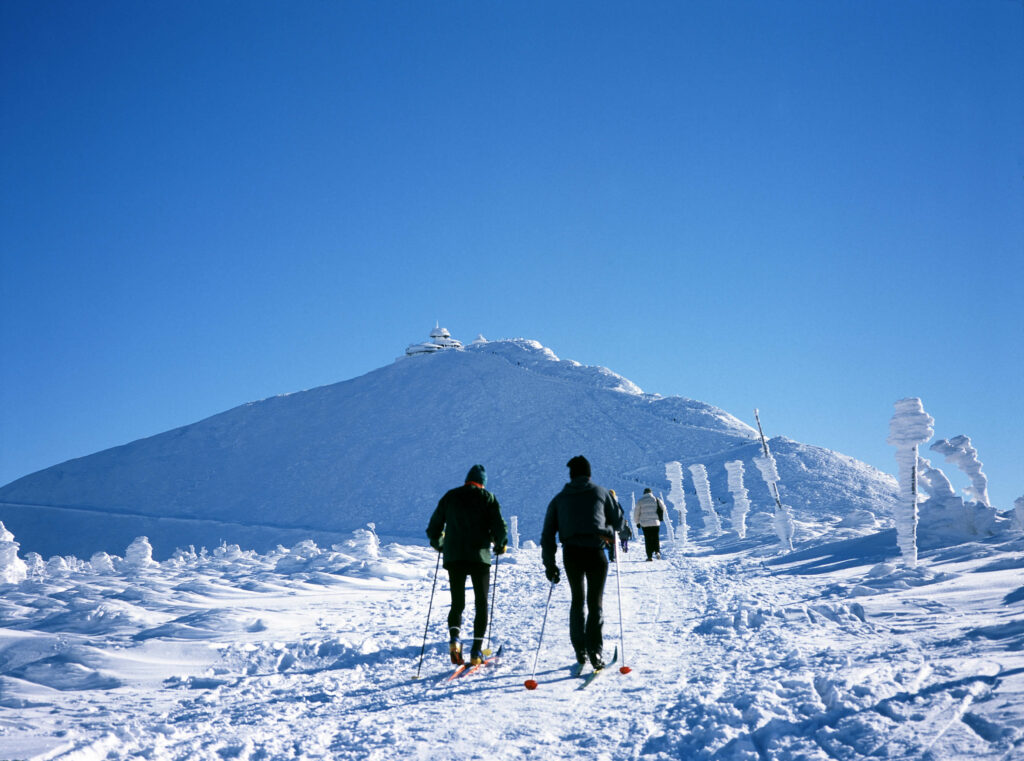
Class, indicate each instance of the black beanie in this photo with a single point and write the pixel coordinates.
(477, 475)
(578, 466)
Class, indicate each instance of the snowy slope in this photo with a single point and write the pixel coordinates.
(738, 654)
(383, 447)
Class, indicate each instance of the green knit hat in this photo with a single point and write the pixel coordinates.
(477, 475)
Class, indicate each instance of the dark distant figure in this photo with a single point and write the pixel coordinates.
(466, 522)
(585, 517)
(648, 515)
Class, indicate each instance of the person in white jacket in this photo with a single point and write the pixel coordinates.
(648, 515)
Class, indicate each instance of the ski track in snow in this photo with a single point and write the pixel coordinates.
(733, 659)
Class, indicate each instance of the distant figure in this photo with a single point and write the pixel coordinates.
(649, 513)
(585, 516)
(465, 523)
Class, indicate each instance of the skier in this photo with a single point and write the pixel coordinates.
(648, 515)
(465, 523)
(586, 518)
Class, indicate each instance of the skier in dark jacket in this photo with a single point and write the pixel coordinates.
(465, 523)
(586, 519)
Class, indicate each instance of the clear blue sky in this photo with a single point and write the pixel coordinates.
(815, 207)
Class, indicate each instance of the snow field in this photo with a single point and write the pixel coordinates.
(307, 653)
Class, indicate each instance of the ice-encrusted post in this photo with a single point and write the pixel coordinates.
(1018, 512)
(513, 532)
(667, 521)
(740, 501)
(700, 482)
(784, 526)
(674, 473)
(12, 568)
(910, 427)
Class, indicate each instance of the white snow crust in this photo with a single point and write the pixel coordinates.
(738, 653)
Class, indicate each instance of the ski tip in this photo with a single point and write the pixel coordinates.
(530, 684)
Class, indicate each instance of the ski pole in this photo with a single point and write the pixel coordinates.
(623, 669)
(427, 625)
(531, 683)
(490, 616)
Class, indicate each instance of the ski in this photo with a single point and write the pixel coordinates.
(589, 680)
(458, 670)
(493, 660)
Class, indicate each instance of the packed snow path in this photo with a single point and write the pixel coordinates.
(732, 659)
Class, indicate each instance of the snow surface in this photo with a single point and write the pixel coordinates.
(385, 446)
(830, 652)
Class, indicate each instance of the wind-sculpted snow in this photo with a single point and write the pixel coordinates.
(960, 452)
(307, 652)
(12, 567)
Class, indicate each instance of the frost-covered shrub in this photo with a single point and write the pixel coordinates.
(139, 554)
(101, 562)
(12, 568)
(35, 564)
(57, 566)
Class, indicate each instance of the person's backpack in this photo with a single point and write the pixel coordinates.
(661, 511)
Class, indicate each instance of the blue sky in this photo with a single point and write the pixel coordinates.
(815, 208)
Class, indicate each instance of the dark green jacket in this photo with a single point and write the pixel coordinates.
(582, 514)
(469, 518)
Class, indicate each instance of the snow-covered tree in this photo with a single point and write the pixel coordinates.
(740, 500)
(909, 427)
(1018, 513)
(785, 528)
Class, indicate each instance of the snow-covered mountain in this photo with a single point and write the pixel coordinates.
(383, 447)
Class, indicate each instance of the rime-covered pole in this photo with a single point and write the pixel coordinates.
(513, 532)
(784, 526)
(700, 482)
(910, 427)
(674, 474)
(667, 521)
(740, 502)
(1018, 510)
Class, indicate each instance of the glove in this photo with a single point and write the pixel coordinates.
(640, 527)
(436, 544)
(500, 550)
(553, 575)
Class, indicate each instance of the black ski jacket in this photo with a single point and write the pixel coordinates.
(582, 514)
(469, 518)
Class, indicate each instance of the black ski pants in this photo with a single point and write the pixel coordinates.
(652, 540)
(480, 574)
(586, 569)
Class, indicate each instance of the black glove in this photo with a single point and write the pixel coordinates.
(501, 549)
(553, 575)
(436, 544)
(639, 526)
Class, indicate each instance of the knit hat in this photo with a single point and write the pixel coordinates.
(477, 475)
(647, 490)
(578, 466)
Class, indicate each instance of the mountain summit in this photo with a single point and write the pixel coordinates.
(383, 447)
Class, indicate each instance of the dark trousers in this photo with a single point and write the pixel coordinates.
(652, 540)
(586, 569)
(480, 573)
